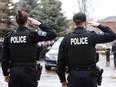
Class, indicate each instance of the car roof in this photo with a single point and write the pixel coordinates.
(57, 43)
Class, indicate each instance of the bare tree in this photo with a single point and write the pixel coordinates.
(82, 5)
(88, 7)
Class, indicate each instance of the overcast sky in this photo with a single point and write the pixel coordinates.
(104, 8)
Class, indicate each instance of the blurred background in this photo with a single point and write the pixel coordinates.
(58, 15)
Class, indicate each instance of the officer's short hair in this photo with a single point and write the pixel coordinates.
(79, 17)
(21, 17)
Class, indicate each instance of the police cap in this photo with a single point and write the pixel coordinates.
(79, 17)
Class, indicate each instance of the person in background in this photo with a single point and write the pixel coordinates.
(114, 53)
(107, 52)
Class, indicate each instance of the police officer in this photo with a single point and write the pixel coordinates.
(19, 50)
(77, 51)
(114, 53)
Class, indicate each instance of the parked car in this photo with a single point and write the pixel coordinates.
(52, 55)
(101, 47)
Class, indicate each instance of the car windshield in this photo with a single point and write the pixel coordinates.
(56, 44)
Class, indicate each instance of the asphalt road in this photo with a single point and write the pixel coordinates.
(50, 78)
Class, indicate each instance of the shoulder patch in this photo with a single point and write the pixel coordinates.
(42, 33)
(100, 33)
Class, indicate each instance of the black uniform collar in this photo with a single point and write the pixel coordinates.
(21, 27)
(79, 30)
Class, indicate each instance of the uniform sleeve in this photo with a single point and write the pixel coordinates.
(5, 57)
(47, 34)
(107, 36)
(61, 65)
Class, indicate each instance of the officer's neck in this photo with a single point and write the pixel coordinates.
(24, 25)
(81, 25)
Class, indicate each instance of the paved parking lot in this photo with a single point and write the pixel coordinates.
(50, 79)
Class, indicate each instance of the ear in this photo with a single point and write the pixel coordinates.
(85, 23)
(73, 23)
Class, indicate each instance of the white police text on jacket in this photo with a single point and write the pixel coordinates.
(79, 41)
(18, 39)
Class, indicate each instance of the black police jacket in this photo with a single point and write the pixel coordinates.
(95, 38)
(19, 45)
(80, 50)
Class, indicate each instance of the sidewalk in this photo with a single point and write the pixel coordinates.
(2, 83)
(109, 75)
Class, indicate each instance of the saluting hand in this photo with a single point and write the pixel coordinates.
(6, 78)
(34, 21)
(64, 84)
(94, 24)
